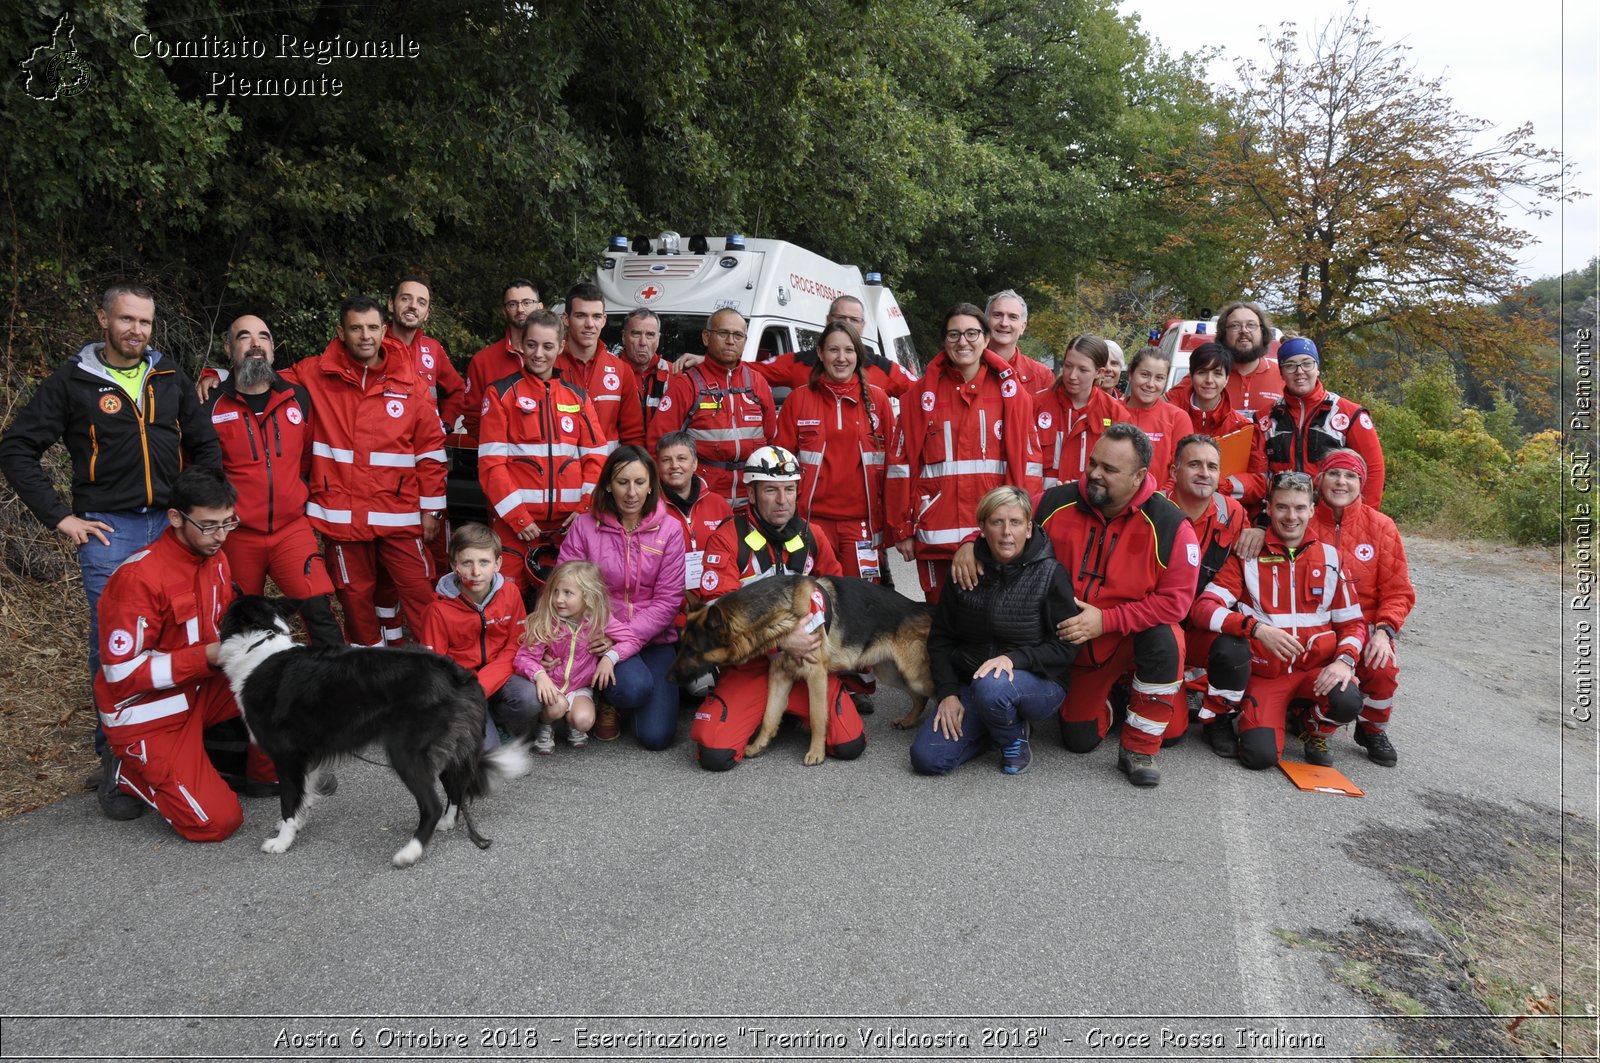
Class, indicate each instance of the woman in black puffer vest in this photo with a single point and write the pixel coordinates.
(997, 662)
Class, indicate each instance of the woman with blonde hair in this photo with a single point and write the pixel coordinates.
(997, 662)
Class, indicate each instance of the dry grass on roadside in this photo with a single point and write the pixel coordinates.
(45, 708)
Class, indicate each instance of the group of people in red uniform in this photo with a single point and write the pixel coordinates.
(1282, 584)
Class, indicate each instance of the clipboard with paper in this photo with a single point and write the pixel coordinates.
(1236, 447)
(1320, 780)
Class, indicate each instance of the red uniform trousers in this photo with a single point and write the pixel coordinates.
(386, 596)
(354, 566)
(843, 535)
(289, 555)
(1155, 701)
(932, 573)
(1377, 694)
(1267, 698)
(731, 714)
(171, 772)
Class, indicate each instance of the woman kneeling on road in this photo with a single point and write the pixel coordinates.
(1376, 559)
(994, 649)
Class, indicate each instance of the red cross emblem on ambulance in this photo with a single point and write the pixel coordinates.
(649, 293)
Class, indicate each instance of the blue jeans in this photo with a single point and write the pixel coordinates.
(641, 688)
(131, 531)
(998, 711)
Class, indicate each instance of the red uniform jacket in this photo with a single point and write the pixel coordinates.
(728, 567)
(1035, 377)
(1139, 568)
(957, 440)
(540, 450)
(1374, 560)
(793, 371)
(1300, 591)
(495, 362)
(1164, 424)
(652, 384)
(1222, 421)
(1297, 433)
(267, 458)
(439, 376)
(377, 451)
(1250, 394)
(701, 514)
(159, 610)
(1067, 434)
(730, 415)
(483, 639)
(1216, 529)
(609, 383)
(841, 448)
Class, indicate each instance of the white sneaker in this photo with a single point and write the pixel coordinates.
(544, 743)
(577, 739)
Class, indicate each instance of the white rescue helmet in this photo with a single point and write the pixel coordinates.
(771, 465)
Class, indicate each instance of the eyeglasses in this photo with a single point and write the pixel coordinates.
(1243, 326)
(211, 529)
(971, 335)
(1298, 365)
(1290, 479)
(525, 304)
(728, 335)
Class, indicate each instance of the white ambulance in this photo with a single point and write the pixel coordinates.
(782, 289)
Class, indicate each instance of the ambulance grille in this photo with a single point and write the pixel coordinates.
(674, 267)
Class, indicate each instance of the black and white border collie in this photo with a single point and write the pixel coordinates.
(308, 705)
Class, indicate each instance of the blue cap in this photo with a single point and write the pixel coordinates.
(1297, 347)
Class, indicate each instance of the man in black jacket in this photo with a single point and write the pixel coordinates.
(128, 416)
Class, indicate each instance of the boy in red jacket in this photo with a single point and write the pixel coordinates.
(476, 621)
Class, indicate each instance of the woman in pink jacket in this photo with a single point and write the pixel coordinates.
(638, 546)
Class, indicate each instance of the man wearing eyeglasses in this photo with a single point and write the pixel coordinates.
(128, 416)
(606, 380)
(1305, 426)
(501, 358)
(159, 687)
(263, 423)
(724, 405)
(1245, 329)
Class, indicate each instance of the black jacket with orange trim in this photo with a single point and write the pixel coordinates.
(125, 455)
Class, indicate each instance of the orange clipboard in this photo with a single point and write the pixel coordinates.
(1236, 447)
(1320, 780)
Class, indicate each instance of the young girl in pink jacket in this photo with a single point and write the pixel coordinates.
(557, 652)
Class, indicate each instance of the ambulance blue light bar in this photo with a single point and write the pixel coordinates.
(734, 242)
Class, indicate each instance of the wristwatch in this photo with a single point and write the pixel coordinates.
(1345, 658)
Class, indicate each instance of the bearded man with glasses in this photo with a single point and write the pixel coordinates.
(1305, 426)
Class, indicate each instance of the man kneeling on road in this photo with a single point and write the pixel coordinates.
(1134, 561)
(159, 687)
(767, 539)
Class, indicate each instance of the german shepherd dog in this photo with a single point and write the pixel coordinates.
(869, 627)
(308, 705)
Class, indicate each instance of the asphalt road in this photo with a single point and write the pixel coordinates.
(1061, 914)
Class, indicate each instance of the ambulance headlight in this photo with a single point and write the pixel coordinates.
(667, 243)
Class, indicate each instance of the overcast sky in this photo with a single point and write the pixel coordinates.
(1500, 62)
